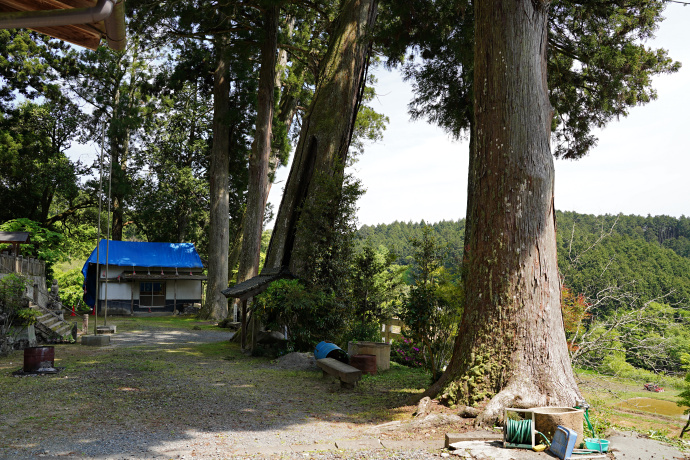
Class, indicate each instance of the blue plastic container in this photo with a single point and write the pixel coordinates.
(563, 442)
(331, 350)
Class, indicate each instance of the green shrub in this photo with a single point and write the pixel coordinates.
(71, 284)
(407, 353)
(362, 332)
(310, 315)
(12, 309)
(26, 317)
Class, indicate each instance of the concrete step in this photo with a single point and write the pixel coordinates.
(50, 322)
(64, 329)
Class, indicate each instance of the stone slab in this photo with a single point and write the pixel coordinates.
(412, 444)
(478, 435)
(95, 340)
(627, 445)
(345, 372)
(106, 329)
(298, 448)
(494, 450)
(359, 444)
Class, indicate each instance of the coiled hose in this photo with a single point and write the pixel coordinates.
(519, 432)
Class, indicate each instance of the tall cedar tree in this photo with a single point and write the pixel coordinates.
(224, 31)
(260, 157)
(597, 68)
(512, 343)
(325, 136)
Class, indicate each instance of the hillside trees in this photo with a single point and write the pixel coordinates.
(116, 85)
(33, 165)
(171, 202)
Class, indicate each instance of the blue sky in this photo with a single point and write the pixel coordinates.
(641, 164)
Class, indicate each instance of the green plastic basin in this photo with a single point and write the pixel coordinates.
(594, 443)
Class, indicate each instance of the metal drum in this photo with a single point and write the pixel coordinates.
(365, 363)
(39, 359)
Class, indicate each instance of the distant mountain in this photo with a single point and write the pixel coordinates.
(650, 255)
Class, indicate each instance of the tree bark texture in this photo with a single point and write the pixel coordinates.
(261, 151)
(327, 128)
(216, 306)
(259, 158)
(511, 343)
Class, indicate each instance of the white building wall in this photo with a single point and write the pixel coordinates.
(118, 291)
(113, 271)
(186, 289)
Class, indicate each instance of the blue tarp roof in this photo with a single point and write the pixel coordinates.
(138, 254)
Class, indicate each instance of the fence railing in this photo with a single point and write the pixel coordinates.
(18, 264)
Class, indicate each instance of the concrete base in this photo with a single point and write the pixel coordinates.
(106, 329)
(95, 340)
(479, 435)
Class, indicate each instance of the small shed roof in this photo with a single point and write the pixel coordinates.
(15, 237)
(143, 254)
(256, 285)
(63, 19)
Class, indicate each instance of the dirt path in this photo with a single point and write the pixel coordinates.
(162, 393)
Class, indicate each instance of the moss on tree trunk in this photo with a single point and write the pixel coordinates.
(511, 344)
(327, 129)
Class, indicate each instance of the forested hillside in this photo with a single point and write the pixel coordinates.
(648, 255)
(626, 280)
(396, 237)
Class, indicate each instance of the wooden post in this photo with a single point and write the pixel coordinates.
(255, 329)
(243, 330)
(175, 296)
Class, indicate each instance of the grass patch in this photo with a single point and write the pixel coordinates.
(606, 394)
(142, 323)
(184, 387)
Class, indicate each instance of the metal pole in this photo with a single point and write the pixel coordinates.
(98, 236)
(107, 243)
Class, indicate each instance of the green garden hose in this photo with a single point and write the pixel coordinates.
(519, 433)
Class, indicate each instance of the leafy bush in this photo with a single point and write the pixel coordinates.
(357, 331)
(12, 309)
(310, 315)
(407, 353)
(26, 317)
(431, 311)
(71, 285)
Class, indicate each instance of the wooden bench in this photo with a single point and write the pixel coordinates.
(347, 374)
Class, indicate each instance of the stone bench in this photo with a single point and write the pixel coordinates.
(347, 374)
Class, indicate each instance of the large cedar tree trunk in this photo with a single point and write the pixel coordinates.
(216, 305)
(511, 343)
(326, 131)
(259, 159)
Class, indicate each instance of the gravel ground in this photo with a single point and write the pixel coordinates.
(271, 424)
(244, 420)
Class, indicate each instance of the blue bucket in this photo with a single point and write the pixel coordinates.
(330, 350)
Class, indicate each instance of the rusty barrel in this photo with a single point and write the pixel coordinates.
(39, 359)
(365, 363)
